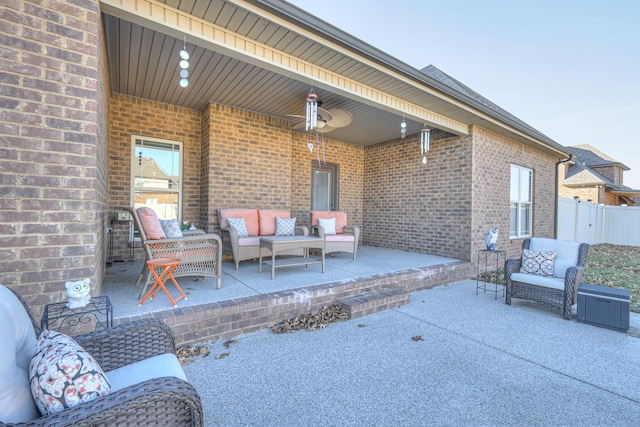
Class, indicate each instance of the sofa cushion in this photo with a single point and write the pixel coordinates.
(285, 226)
(267, 218)
(341, 219)
(249, 241)
(163, 365)
(171, 228)
(239, 225)
(250, 218)
(533, 279)
(329, 225)
(566, 253)
(63, 374)
(540, 263)
(18, 345)
(151, 224)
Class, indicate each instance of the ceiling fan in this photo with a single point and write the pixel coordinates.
(328, 120)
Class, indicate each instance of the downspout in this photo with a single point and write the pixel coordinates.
(555, 200)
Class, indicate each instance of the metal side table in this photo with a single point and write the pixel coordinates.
(57, 315)
(488, 262)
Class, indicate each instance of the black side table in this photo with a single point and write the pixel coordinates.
(57, 315)
(488, 258)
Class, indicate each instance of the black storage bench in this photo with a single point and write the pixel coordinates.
(604, 306)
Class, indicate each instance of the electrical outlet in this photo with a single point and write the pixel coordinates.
(122, 216)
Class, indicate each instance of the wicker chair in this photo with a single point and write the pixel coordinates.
(346, 238)
(156, 401)
(200, 254)
(557, 291)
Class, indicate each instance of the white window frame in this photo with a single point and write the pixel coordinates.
(521, 202)
(157, 142)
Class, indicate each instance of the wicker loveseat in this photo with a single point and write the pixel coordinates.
(344, 239)
(147, 384)
(200, 254)
(557, 290)
(259, 222)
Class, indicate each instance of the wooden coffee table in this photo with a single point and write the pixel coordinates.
(283, 243)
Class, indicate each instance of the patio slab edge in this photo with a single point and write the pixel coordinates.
(225, 319)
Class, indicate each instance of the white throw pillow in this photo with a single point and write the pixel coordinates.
(239, 225)
(285, 226)
(540, 263)
(329, 225)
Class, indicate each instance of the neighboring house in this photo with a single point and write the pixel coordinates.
(593, 176)
(84, 82)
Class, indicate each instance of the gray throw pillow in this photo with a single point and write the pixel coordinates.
(285, 226)
(171, 228)
(239, 225)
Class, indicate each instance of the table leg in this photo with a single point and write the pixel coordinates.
(273, 262)
(322, 252)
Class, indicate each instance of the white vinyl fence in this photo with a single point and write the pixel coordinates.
(592, 223)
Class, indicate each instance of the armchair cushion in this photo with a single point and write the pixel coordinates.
(339, 237)
(539, 263)
(566, 253)
(171, 228)
(250, 218)
(268, 218)
(151, 224)
(63, 374)
(341, 219)
(163, 365)
(240, 226)
(285, 226)
(329, 225)
(18, 345)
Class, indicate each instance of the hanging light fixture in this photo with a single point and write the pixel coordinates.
(403, 128)
(425, 140)
(184, 65)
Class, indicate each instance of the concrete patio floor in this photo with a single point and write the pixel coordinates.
(120, 278)
(448, 358)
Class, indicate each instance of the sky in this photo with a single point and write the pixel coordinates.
(569, 68)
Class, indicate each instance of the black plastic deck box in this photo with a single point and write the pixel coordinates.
(603, 306)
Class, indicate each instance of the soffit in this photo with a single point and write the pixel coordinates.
(143, 62)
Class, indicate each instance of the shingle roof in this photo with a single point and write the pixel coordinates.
(591, 156)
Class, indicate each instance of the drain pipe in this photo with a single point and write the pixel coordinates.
(555, 214)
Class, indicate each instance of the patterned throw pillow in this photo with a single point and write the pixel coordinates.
(63, 374)
(171, 228)
(540, 263)
(239, 225)
(285, 226)
(329, 225)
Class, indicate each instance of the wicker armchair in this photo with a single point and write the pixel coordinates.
(156, 401)
(557, 291)
(200, 254)
(346, 238)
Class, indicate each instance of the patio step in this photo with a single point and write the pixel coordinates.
(373, 302)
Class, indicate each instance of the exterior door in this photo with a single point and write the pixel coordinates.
(324, 186)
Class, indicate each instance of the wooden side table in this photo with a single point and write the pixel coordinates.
(166, 267)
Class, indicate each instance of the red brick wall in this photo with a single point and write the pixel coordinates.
(51, 163)
(134, 116)
(493, 156)
(410, 206)
(350, 161)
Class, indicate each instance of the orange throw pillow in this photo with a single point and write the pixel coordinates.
(151, 224)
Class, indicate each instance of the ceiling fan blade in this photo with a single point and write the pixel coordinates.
(295, 116)
(340, 118)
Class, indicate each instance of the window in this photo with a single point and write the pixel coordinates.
(324, 187)
(156, 176)
(521, 208)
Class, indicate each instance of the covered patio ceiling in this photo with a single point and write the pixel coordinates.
(264, 55)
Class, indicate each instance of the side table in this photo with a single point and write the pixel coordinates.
(487, 254)
(57, 315)
(166, 267)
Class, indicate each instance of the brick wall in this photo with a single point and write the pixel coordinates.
(134, 116)
(50, 161)
(492, 158)
(350, 161)
(410, 206)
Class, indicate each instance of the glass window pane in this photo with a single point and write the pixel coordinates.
(164, 204)
(321, 188)
(515, 181)
(513, 220)
(525, 185)
(525, 220)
